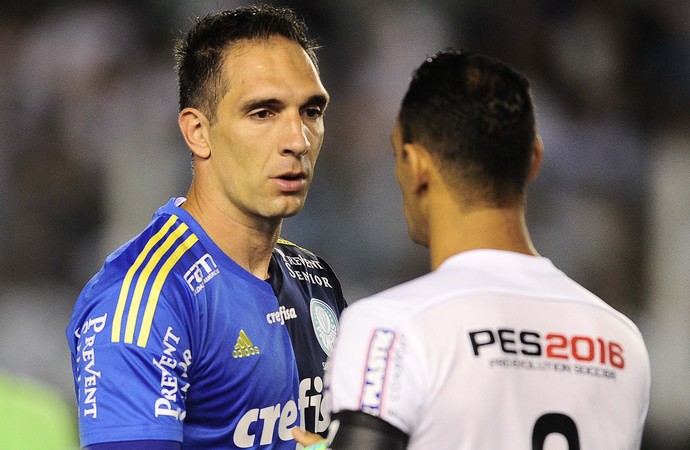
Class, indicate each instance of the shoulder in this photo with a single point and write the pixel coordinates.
(146, 269)
(395, 308)
(294, 256)
(283, 246)
(152, 254)
(307, 272)
(405, 299)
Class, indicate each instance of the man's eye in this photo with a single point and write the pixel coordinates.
(313, 112)
(261, 114)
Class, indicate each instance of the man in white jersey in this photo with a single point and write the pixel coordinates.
(495, 348)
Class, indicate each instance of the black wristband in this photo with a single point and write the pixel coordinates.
(359, 430)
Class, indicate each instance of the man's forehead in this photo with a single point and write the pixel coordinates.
(267, 66)
(261, 53)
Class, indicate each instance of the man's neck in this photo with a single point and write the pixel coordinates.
(247, 241)
(455, 232)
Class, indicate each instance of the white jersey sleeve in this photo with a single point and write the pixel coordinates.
(380, 358)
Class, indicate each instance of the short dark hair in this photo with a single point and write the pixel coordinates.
(475, 116)
(199, 55)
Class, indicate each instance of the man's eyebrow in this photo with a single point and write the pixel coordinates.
(252, 104)
(318, 100)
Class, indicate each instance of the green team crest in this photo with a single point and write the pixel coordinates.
(325, 324)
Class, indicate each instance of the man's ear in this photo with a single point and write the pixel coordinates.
(535, 162)
(419, 164)
(194, 127)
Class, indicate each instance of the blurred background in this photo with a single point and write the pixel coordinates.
(90, 149)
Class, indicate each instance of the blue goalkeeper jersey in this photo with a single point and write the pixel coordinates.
(172, 340)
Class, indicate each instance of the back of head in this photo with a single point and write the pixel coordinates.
(199, 55)
(475, 115)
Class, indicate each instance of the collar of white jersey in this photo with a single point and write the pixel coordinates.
(493, 259)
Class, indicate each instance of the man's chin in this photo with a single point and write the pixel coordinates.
(291, 213)
(290, 210)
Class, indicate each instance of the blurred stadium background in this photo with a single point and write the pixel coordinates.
(90, 148)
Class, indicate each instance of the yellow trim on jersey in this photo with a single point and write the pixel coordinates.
(286, 242)
(124, 291)
(144, 278)
(152, 302)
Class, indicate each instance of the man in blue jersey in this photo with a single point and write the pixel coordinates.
(207, 330)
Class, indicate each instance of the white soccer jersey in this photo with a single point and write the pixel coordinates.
(494, 350)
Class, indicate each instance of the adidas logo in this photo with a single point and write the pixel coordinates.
(244, 347)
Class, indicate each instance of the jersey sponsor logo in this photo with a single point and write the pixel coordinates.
(297, 265)
(374, 385)
(201, 273)
(325, 324)
(551, 351)
(173, 377)
(88, 377)
(315, 401)
(281, 315)
(298, 260)
(261, 424)
(147, 274)
(244, 347)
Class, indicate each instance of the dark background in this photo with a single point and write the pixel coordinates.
(90, 148)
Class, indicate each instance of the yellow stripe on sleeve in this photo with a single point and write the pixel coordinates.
(154, 295)
(124, 291)
(144, 278)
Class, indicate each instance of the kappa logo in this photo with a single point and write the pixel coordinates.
(244, 347)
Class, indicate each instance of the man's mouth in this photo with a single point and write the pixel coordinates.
(293, 177)
(291, 182)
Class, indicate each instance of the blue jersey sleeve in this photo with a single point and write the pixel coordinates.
(131, 353)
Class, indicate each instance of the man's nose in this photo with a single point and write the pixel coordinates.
(296, 140)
